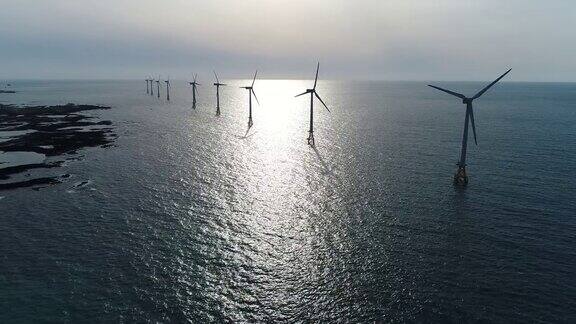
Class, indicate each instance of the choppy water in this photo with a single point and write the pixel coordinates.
(188, 219)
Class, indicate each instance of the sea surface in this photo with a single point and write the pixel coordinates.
(190, 218)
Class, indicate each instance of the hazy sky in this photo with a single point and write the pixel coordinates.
(356, 39)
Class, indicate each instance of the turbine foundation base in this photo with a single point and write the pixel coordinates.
(461, 177)
(311, 139)
(250, 123)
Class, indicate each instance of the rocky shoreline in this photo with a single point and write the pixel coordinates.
(46, 132)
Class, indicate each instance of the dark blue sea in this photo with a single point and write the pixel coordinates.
(188, 217)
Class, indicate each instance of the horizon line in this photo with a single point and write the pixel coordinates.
(7, 80)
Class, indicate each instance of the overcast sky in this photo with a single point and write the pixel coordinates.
(353, 39)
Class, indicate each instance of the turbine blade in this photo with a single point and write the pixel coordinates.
(303, 93)
(217, 81)
(195, 75)
(461, 96)
(254, 78)
(316, 79)
(254, 93)
(322, 101)
(473, 124)
(490, 85)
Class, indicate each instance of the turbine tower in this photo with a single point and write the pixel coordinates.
(158, 86)
(151, 86)
(250, 93)
(194, 84)
(461, 178)
(313, 93)
(168, 89)
(218, 84)
(147, 86)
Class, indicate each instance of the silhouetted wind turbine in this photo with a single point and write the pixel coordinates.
(313, 93)
(250, 93)
(168, 89)
(158, 86)
(147, 86)
(151, 86)
(218, 84)
(461, 177)
(194, 84)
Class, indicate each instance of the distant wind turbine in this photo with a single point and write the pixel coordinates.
(151, 86)
(461, 177)
(250, 93)
(158, 86)
(313, 93)
(218, 84)
(194, 84)
(168, 89)
(147, 86)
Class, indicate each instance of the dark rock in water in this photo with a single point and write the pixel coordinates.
(29, 183)
(81, 184)
(58, 129)
(52, 131)
(6, 172)
(47, 110)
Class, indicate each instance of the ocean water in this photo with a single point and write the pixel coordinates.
(188, 218)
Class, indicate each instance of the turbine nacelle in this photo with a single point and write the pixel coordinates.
(251, 92)
(193, 82)
(313, 90)
(217, 83)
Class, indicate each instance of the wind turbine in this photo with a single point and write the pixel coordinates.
(461, 177)
(313, 93)
(151, 86)
(250, 93)
(147, 86)
(158, 86)
(218, 84)
(168, 89)
(194, 84)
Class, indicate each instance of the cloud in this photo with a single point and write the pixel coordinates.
(376, 39)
